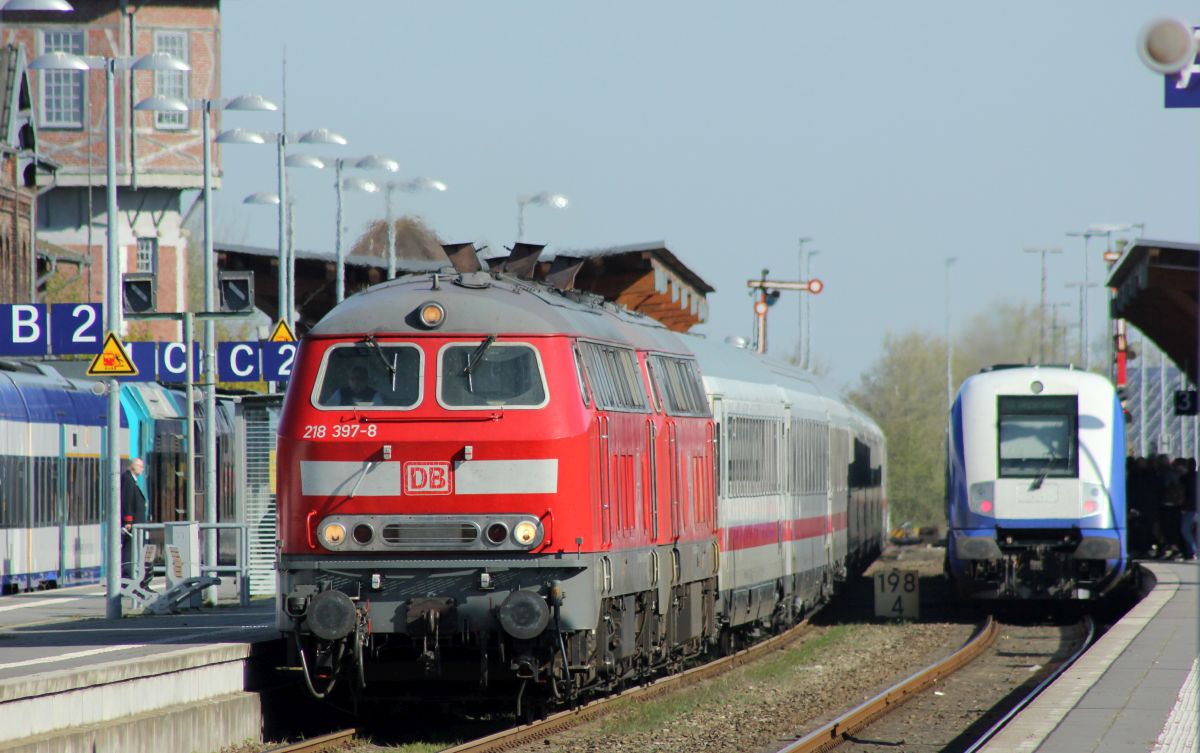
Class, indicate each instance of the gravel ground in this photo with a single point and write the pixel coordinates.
(847, 657)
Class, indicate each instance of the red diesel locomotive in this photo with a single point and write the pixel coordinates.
(514, 489)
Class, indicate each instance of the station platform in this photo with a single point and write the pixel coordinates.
(1134, 691)
(72, 680)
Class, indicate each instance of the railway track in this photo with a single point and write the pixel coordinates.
(853, 730)
(830, 735)
(563, 720)
(323, 744)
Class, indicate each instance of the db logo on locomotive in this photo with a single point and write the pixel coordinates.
(427, 478)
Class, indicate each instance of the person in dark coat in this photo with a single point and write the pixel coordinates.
(133, 510)
(358, 391)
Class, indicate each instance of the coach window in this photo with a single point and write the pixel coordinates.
(1038, 436)
(370, 376)
(490, 374)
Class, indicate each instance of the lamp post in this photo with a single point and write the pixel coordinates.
(1087, 236)
(949, 344)
(157, 61)
(286, 273)
(371, 162)
(246, 102)
(416, 184)
(1054, 328)
(543, 199)
(1083, 346)
(808, 256)
(800, 339)
(19, 6)
(1042, 305)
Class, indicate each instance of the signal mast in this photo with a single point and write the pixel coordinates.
(768, 294)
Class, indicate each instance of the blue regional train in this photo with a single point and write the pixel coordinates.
(52, 484)
(1036, 485)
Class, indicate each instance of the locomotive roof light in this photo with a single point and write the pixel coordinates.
(1036, 387)
(333, 535)
(431, 315)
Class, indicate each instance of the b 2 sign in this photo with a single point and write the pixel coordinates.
(36, 329)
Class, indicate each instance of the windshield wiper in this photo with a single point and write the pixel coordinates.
(390, 366)
(1037, 482)
(474, 359)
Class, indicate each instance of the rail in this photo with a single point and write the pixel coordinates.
(832, 734)
(332, 740)
(992, 731)
(555, 723)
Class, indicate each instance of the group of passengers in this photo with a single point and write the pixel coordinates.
(1161, 498)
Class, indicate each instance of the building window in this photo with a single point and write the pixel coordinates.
(171, 83)
(147, 255)
(62, 91)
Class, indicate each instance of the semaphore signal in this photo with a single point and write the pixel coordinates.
(768, 294)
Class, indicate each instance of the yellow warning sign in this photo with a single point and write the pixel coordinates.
(282, 333)
(112, 360)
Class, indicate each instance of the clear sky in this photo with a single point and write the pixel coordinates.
(893, 134)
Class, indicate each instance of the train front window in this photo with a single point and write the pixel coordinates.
(1038, 436)
(370, 376)
(488, 373)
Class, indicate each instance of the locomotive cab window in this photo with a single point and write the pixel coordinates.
(490, 374)
(1038, 436)
(370, 376)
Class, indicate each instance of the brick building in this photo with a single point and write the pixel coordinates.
(157, 160)
(17, 136)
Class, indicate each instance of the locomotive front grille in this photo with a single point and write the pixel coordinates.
(431, 533)
(1024, 538)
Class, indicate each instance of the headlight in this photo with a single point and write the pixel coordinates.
(525, 533)
(982, 498)
(333, 535)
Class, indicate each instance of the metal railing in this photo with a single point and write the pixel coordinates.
(189, 564)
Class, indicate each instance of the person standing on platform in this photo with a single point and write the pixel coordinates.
(1187, 517)
(133, 510)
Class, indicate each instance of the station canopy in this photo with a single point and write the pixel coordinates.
(646, 277)
(1157, 291)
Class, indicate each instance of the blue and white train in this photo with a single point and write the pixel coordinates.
(52, 490)
(1036, 485)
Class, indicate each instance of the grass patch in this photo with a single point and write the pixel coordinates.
(655, 714)
(787, 661)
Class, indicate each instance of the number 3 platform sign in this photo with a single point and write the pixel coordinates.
(897, 594)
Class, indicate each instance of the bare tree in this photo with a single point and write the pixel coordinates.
(414, 240)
